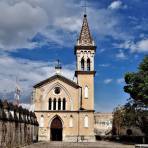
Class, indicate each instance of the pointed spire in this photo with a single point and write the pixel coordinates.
(85, 38)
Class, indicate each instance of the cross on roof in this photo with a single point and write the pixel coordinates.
(58, 64)
(85, 6)
(58, 61)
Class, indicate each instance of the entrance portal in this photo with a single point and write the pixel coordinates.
(56, 130)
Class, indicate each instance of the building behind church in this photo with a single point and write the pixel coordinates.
(64, 108)
(103, 124)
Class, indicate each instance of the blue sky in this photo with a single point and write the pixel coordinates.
(35, 33)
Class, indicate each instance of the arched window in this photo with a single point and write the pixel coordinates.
(71, 121)
(49, 104)
(86, 121)
(64, 104)
(59, 104)
(54, 104)
(42, 121)
(88, 64)
(86, 91)
(82, 64)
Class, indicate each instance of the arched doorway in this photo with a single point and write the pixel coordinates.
(56, 129)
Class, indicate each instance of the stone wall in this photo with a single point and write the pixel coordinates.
(18, 126)
(103, 123)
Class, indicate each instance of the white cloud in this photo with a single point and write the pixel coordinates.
(120, 80)
(104, 65)
(100, 51)
(107, 81)
(139, 46)
(26, 18)
(54, 19)
(121, 55)
(116, 5)
(106, 23)
(19, 23)
(28, 72)
(67, 23)
(127, 44)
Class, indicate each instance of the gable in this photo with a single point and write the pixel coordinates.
(59, 77)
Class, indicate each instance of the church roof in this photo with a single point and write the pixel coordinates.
(85, 38)
(60, 77)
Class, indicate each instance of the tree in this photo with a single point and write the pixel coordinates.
(136, 110)
(137, 84)
(136, 116)
(118, 116)
(130, 116)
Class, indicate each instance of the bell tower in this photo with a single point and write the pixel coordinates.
(85, 51)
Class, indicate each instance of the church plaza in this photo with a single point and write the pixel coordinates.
(99, 144)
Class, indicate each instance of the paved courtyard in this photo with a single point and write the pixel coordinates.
(100, 144)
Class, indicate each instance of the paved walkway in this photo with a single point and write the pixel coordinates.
(99, 144)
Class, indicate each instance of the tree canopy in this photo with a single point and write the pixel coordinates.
(130, 116)
(137, 83)
(135, 112)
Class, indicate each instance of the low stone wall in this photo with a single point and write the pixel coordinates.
(18, 126)
(141, 146)
(81, 138)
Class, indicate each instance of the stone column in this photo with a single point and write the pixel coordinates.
(71, 104)
(66, 104)
(56, 104)
(85, 65)
(52, 105)
(92, 63)
(61, 105)
(78, 62)
(85, 61)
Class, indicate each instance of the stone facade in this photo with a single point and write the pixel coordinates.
(70, 133)
(69, 104)
(71, 115)
(18, 126)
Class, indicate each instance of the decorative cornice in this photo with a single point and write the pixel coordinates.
(78, 47)
(63, 111)
(62, 78)
(85, 72)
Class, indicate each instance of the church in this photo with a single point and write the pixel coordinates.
(64, 108)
